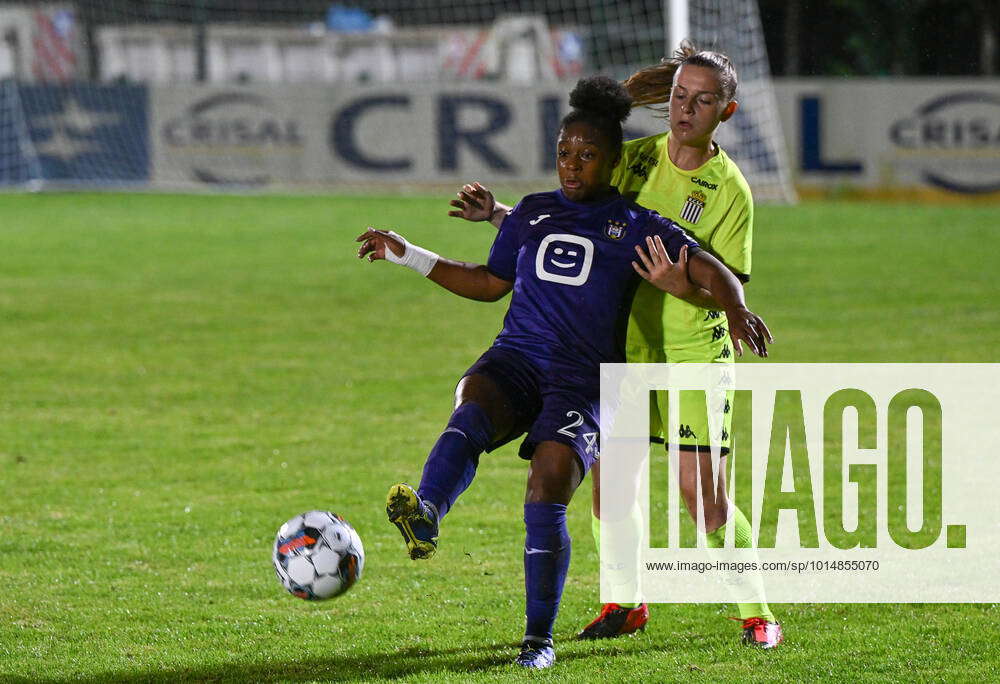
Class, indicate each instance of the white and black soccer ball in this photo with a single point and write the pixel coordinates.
(318, 555)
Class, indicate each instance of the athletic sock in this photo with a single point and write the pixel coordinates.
(747, 588)
(625, 541)
(452, 462)
(546, 562)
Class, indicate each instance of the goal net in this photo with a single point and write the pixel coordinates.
(753, 136)
(304, 94)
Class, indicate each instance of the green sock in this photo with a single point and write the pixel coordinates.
(595, 529)
(743, 535)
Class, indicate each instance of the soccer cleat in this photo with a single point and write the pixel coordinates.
(416, 520)
(536, 655)
(761, 633)
(615, 621)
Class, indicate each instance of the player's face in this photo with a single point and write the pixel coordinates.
(697, 105)
(585, 160)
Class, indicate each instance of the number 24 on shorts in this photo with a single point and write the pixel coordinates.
(589, 437)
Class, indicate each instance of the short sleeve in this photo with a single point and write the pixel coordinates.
(733, 239)
(674, 237)
(503, 254)
(628, 177)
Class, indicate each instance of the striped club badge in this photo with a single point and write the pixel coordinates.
(693, 207)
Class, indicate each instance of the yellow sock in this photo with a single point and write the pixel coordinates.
(754, 582)
(595, 529)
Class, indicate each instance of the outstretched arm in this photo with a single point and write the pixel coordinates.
(703, 299)
(476, 203)
(707, 272)
(472, 281)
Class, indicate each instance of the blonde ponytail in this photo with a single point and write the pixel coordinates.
(651, 86)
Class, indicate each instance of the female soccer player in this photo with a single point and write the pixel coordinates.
(567, 255)
(684, 174)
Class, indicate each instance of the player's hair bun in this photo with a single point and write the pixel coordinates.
(603, 96)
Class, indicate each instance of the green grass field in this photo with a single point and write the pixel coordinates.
(179, 375)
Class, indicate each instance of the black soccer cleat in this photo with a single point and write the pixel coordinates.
(415, 519)
(616, 621)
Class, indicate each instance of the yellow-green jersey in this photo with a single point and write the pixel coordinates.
(713, 203)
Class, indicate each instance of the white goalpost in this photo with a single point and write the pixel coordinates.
(678, 24)
(753, 137)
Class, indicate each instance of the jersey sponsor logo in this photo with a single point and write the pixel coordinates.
(565, 259)
(693, 207)
(704, 183)
(718, 332)
(615, 229)
(536, 221)
(686, 432)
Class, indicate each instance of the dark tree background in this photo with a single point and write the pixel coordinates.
(878, 37)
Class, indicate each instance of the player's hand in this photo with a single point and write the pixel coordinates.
(746, 326)
(660, 271)
(474, 203)
(374, 243)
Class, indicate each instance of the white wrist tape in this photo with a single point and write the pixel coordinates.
(419, 259)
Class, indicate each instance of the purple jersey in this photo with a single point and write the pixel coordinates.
(571, 265)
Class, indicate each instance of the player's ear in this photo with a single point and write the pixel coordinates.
(729, 110)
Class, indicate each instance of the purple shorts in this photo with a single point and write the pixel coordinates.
(547, 409)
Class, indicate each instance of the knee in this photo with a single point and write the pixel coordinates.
(474, 422)
(494, 406)
(553, 476)
(547, 487)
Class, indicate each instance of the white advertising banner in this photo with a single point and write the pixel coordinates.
(250, 137)
(889, 133)
(870, 134)
(261, 136)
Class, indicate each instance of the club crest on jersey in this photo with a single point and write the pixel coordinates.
(693, 207)
(615, 229)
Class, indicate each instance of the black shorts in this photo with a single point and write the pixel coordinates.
(545, 408)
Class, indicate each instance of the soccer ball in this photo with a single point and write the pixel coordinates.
(318, 555)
